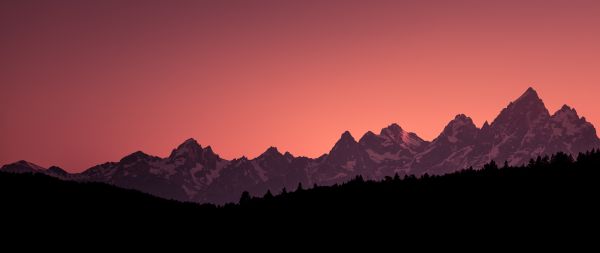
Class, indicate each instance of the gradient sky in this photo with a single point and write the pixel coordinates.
(84, 82)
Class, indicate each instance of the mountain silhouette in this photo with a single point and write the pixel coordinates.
(548, 193)
(523, 130)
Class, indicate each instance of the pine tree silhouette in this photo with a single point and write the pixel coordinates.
(245, 198)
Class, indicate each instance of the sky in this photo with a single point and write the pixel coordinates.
(85, 82)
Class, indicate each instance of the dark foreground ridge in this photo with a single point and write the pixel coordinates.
(549, 190)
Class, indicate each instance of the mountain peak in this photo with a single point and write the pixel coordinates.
(30, 164)
(135, 156)
(369, 139)
(462, 118)
(461, 125)
(369, 135)
(347, 136)
(22, 162)
(529, 95)
(527, 110)
(190, 142)
(272, 150)
(57, 170)
(189, 147)
(394, 128)
(394, 125)
(566, 111)
(393, 131)
(346, 140)
(460, 121)
(344, 149)
(22, 166)
(530, 92)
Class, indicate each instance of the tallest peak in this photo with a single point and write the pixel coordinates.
(530, 92)
(530, 98)
(528, 108)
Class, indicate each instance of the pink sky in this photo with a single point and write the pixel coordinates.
(84, 82)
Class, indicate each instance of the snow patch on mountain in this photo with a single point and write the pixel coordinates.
(262, 173)
(379, 158)
(349, 165)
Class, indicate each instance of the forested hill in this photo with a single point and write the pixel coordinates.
(545, 184)
(559, 186)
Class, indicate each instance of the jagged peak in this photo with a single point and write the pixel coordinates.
(191, 142)
(462, 118)
(460, 125)
(271, 151)
(347, 135)
(529, 93)
(392, 128)
(393, 131)
(240, 159)
(367, 135)
(346, 140)
(566, 111)
(395, 134)
(528, 107)
(566, 107)
(459, 121)
(530, 90)
(369, 138)
(210, 152)
(529, 97)
(189, 146)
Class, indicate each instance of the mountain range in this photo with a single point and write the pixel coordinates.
(523, 130)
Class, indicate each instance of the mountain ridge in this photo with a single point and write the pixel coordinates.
(522, 130)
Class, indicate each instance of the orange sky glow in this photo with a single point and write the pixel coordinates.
(84, 82)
